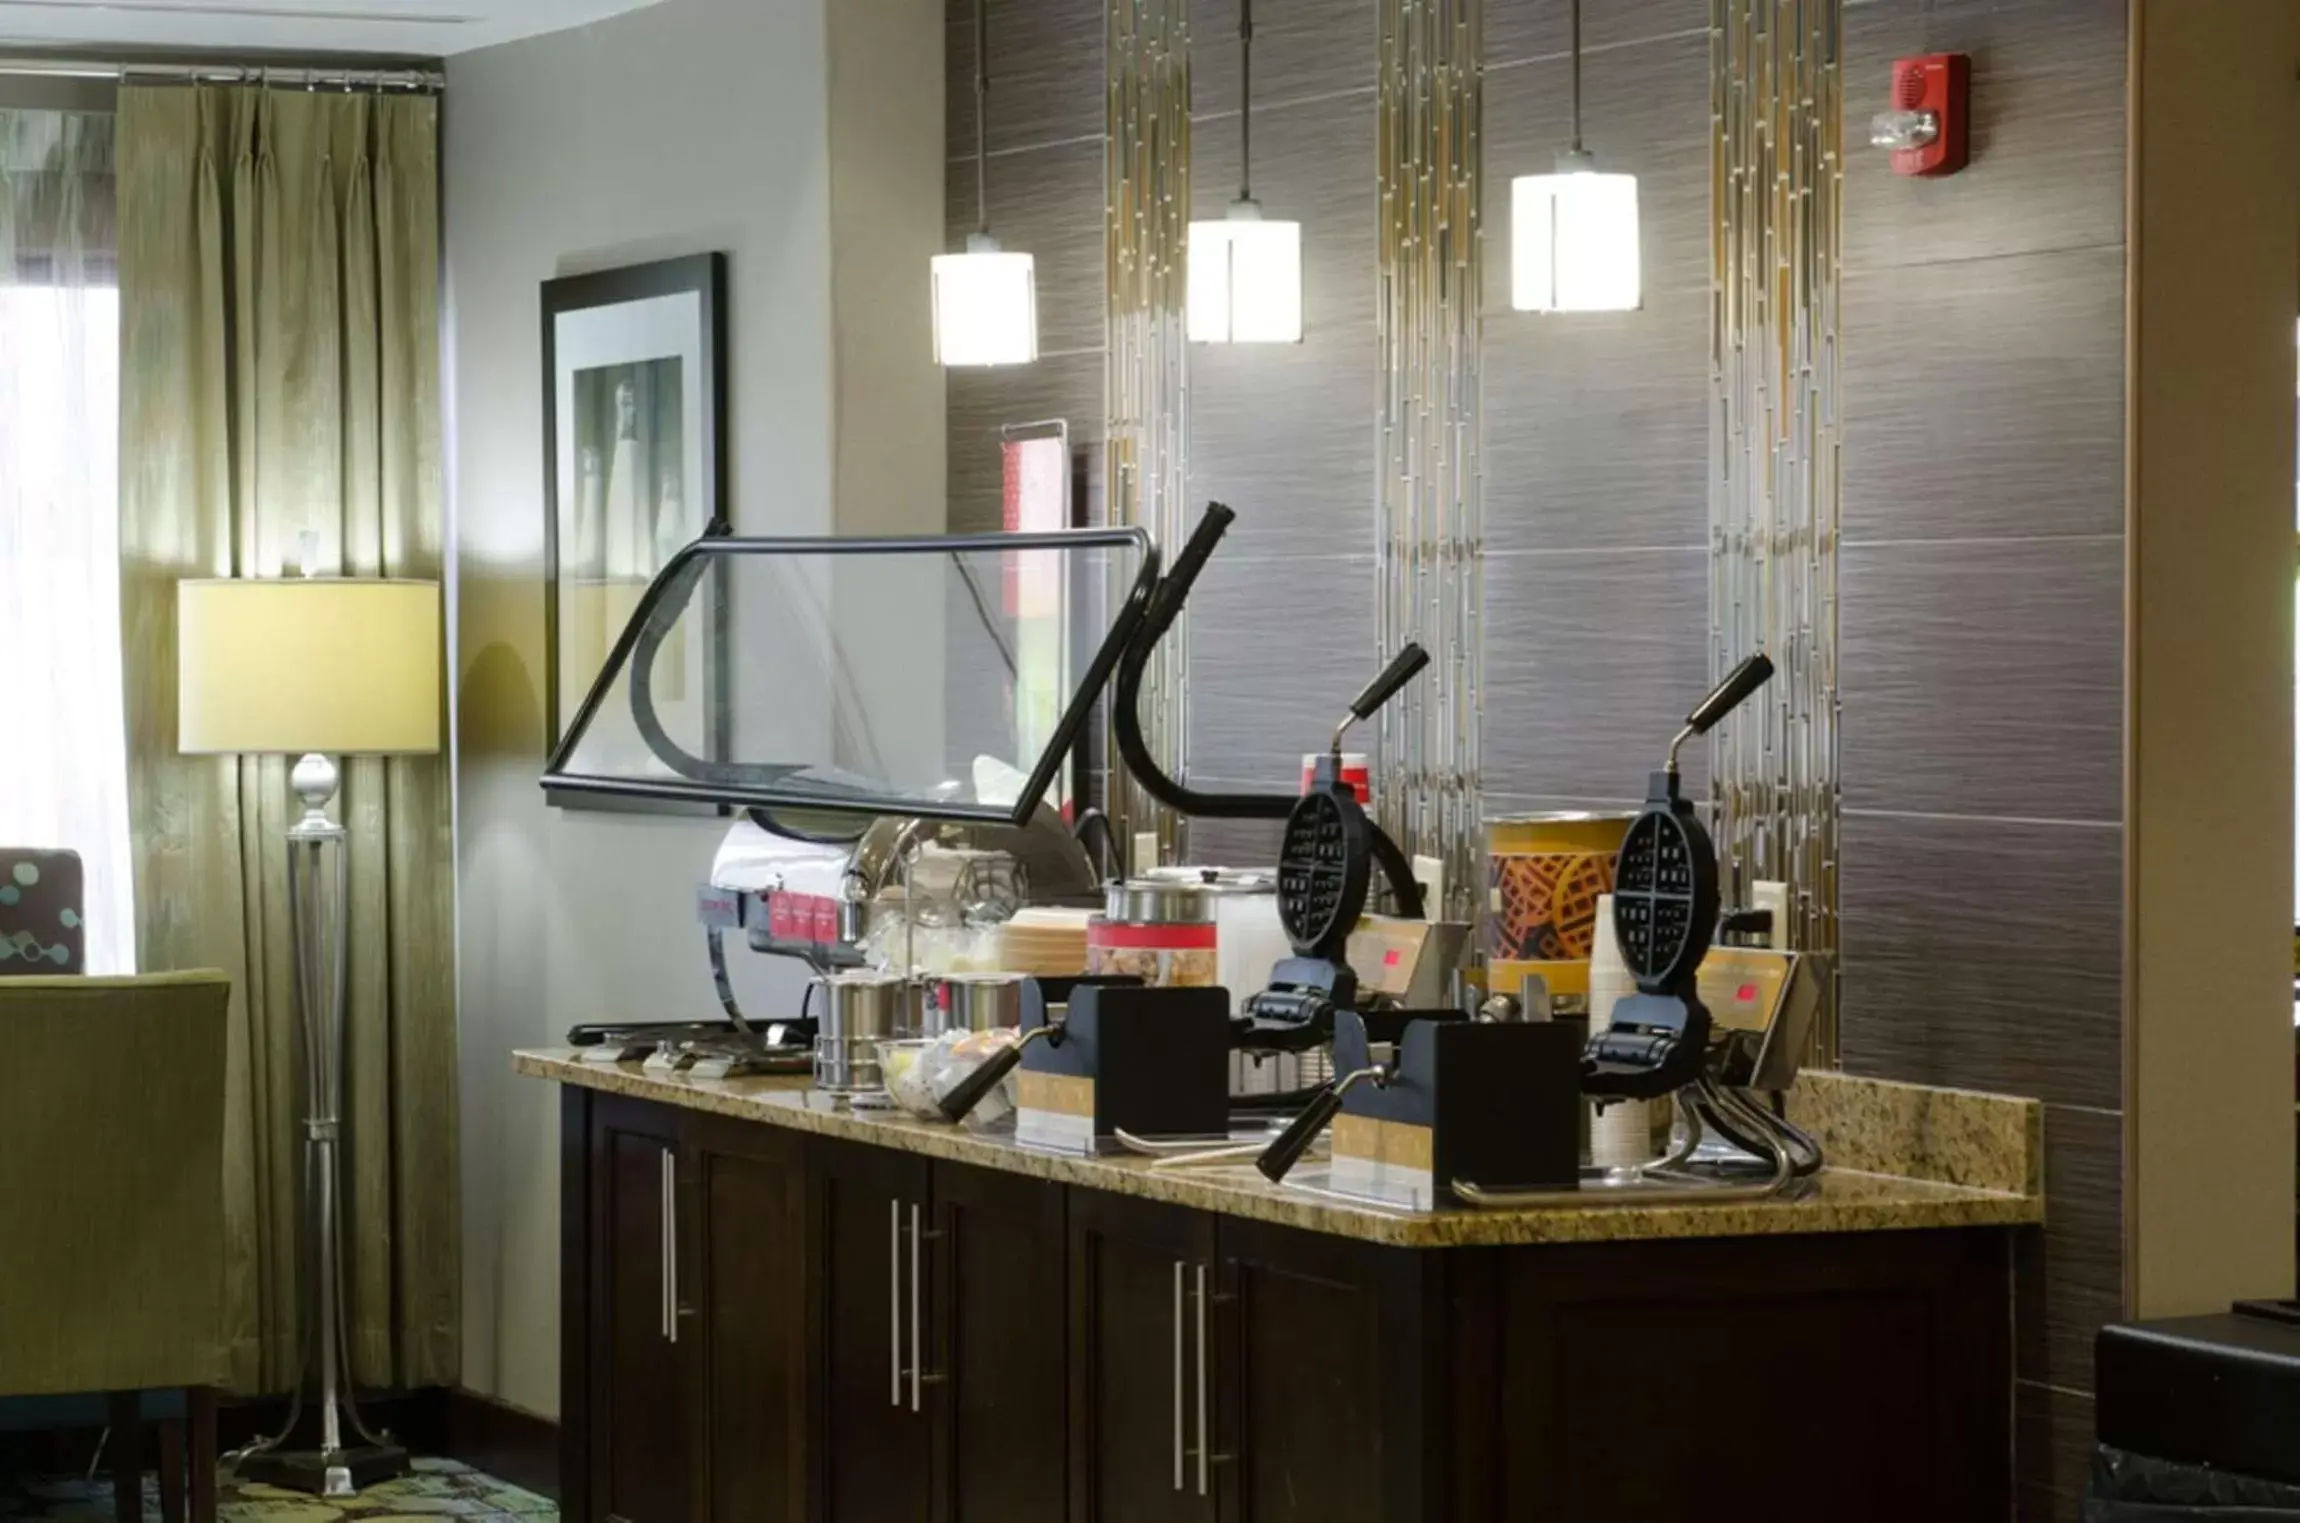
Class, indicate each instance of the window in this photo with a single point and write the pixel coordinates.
(63, 743)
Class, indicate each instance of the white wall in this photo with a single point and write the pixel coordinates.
(690, 126)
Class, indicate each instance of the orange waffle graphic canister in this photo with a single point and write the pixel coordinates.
(1545, 872)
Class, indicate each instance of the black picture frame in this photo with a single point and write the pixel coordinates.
(703, 276)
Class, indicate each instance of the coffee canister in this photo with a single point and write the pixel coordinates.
(1158, 930)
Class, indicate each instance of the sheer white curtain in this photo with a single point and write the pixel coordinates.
(63, 749)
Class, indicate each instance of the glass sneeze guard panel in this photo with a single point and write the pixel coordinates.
(945, 676)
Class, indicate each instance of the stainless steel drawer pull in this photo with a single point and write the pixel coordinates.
(1202, 1426)
(670, 1246)
(914, 1318)
(1177, 1374)
(894, 1302)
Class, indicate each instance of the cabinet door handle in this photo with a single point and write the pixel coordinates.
(1177, 1374)
(1202, 1433)
(915, 1354)
(894, 1302)
(670, 1247)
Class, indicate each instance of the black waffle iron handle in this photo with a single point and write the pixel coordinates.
(1406, 665)
(1723, 699)
(968, 1092)
(1286, 1149)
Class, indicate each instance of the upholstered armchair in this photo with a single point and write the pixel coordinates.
(111, 1196)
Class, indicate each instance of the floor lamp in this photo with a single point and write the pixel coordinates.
(315, 668)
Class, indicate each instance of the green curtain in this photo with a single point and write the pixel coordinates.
(279, 377)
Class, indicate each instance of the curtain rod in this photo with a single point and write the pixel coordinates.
(299, 77)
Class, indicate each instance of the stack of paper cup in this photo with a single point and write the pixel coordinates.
(1622, 1135)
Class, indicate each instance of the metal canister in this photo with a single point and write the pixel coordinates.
(857, 1011)
(975, 1002)
(1160, 931)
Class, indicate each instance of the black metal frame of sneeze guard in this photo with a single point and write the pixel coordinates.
(1126, 719)
(754, 786)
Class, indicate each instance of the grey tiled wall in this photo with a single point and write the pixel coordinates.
(1982, 562)
(1982, 635)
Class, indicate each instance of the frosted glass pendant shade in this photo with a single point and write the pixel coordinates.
(1573, 242)
(1245, 279)
(985, 306)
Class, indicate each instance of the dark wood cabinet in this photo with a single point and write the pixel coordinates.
(1298, 1375)
(746, 1280)
(1142, 1378)
(868, 1213)
(762, 1324)
(637, 1460)
(1002, 1351)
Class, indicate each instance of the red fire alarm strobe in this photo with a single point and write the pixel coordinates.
(1926, 127)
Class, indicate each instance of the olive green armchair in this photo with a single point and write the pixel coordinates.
(112, 1200)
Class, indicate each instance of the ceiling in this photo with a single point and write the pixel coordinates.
(396, 28)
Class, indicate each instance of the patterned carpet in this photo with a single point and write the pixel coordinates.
(438, 1489)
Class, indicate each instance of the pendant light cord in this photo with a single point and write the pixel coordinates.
(1576, 76)
(1245, 100)
(982, 116)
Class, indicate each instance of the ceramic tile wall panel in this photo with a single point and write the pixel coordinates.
(1985, 954)
(981, 402)
(1302, 49)
(1516, 30)
(1045, 73)
(1597, 429)
(2047, 169)
(1985, 398)
(1278, 647)
(1592, 661)
(1985, 678)
(2068, 1279)
(1645, 111)
(1983, 338)
(1042, 203)
(1282, 434)
(2052, 1452)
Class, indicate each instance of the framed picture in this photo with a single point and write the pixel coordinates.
(634, 467)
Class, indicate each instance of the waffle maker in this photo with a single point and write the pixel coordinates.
(1665, 905)
(1325, 874)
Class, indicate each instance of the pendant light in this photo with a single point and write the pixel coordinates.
(1245, 271)
(1573, 234)
(986, 299)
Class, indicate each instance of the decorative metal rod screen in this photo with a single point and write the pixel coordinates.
(1777, 177)
(1429, 537)
(1146, 243)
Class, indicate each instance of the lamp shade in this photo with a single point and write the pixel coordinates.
(336, 666)
(985, 306)
(1573, 242)
(1245, 279)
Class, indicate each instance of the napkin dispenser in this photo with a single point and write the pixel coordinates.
(1488, 1102)
(1145, 1061)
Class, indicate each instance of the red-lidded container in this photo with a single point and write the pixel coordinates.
(1162, 933)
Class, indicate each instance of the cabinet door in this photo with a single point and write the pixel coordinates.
(744, 1281)
(868, 1210)
(1299, 1434)
(1141, 1385)
(639, 1454)
(996, 1320)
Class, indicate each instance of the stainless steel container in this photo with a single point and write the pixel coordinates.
(975, 1002)
(855, 1012)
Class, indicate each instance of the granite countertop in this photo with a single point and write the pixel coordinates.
(1955, 1160)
